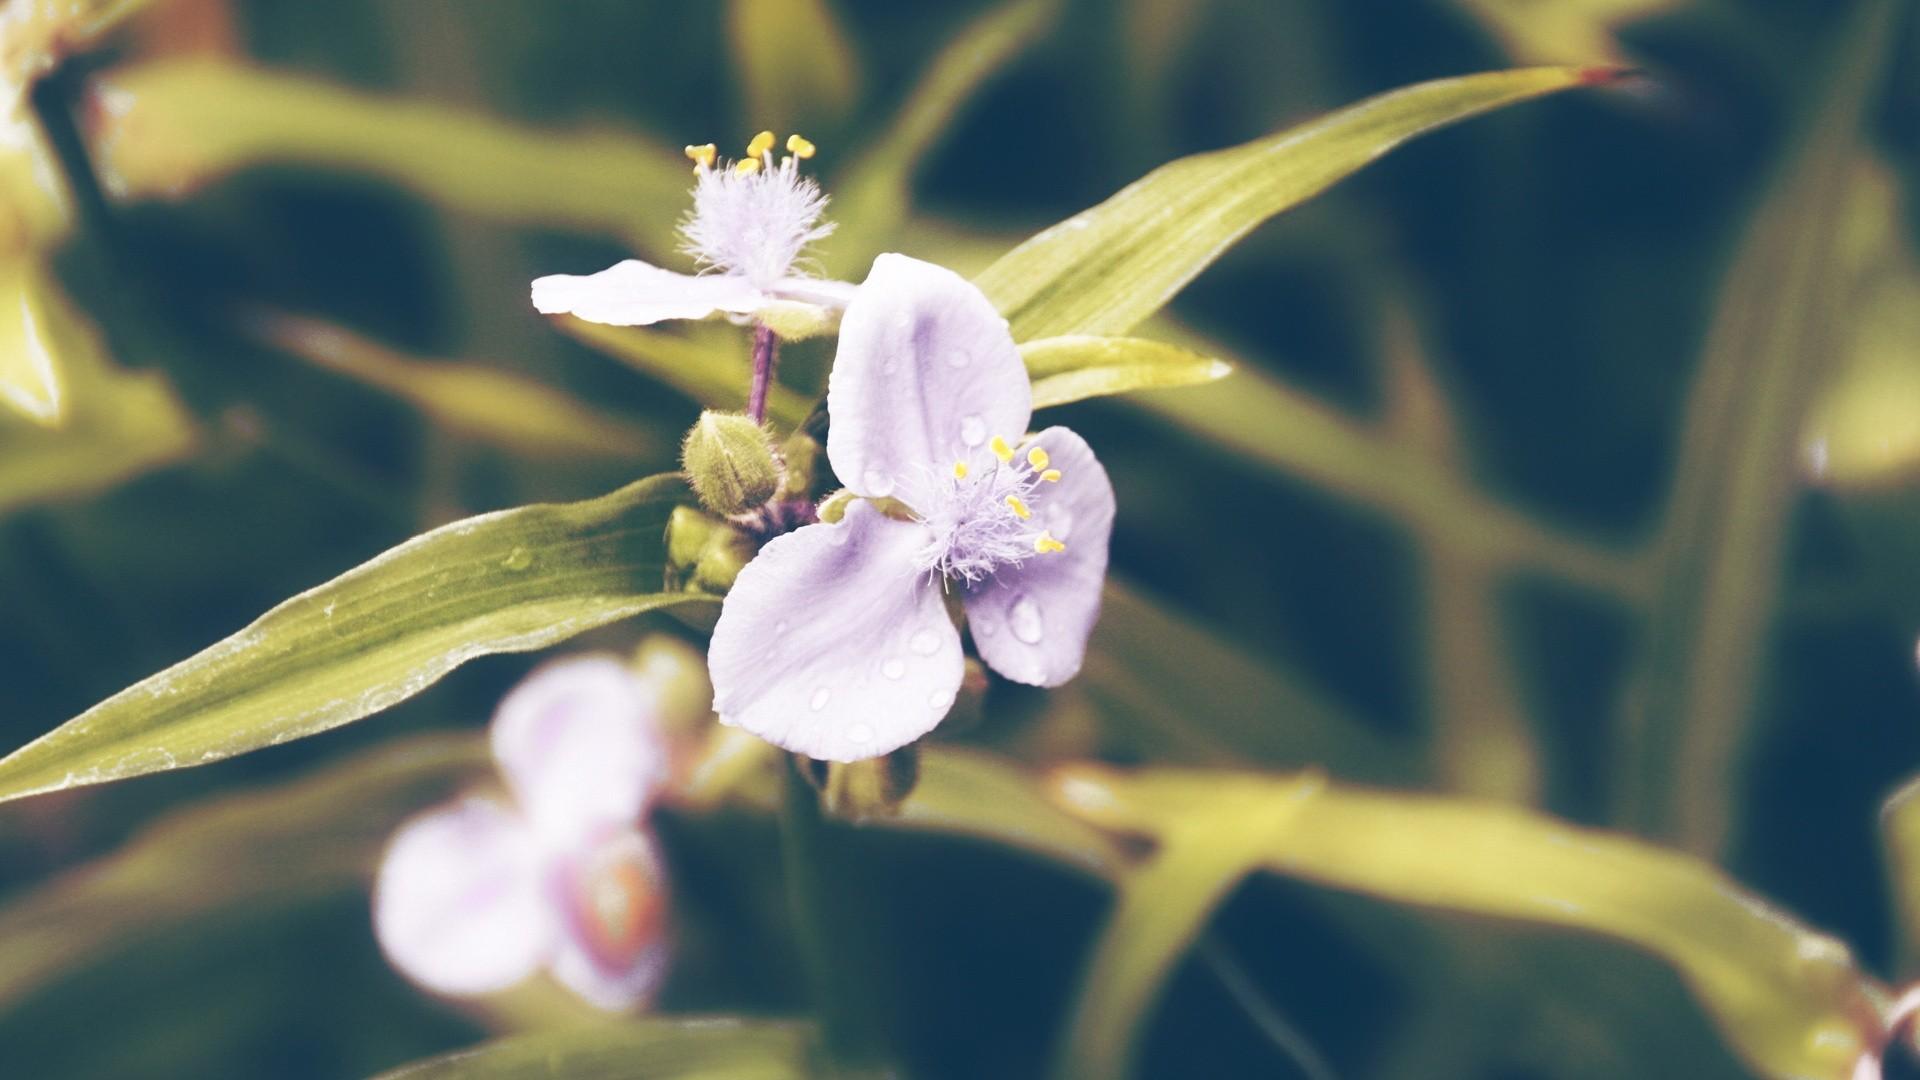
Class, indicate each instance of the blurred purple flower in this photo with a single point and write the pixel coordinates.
(835, 641)
(475, 896)
(751, 222)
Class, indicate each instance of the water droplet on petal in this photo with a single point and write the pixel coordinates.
(940, 700)
(1060, 522)
(925, 642)
(894, 668)
(859, 733)
(1025, 620)
(973, 429)
(879, 483)
(985, 627)
(820, 697)
(780, 627)
(959, 358)
(890, 365)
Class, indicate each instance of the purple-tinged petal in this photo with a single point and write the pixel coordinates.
(634, 293)
(1030, 622)
(612, 948)
(458, 905)
(834, 644)
(926, 376)
(580, 747)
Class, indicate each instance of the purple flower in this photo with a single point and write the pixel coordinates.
(477, 895)
(751, 222)
(835, 640)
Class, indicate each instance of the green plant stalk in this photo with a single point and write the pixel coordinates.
(836, 955)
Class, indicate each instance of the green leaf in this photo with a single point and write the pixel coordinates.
(1864, 433)
(968, 793)
(317, 835)
(1790, 1001)
(509, 581)
(112, 424)
(39, 329)
(1777, 326)
(873, 195)
(1104, 270)
(1900, 841)
(480, 402)
(1161, 911)
(793, 61)
(655, 1047)
(177, 124)
(1080, 366)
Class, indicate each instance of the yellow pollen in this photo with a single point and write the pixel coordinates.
(959, 470)
(761, 143)
(1037, 458)
(1045, 544)
(1051, 476)
(747, 166)
(702, 156)
(1000, 449)
(799, 147)
(1019, 508)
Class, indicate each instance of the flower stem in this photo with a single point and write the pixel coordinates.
(766, 357)
(829, 921)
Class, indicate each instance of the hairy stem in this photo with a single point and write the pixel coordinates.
(766, 357)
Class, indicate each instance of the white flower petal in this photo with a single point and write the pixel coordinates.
(833, 644)
(926, 375)
(458, 906)
(1031, 622)
(580, 745)
(634, 293)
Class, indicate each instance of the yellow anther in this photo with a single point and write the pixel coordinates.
(761, 143)
(1037, 458)
(747, 166)
(1019, 508)
(799, 147)
(959, 470)
(1000, 449)
(702, 156)
(1046, 544)
(1051, 476)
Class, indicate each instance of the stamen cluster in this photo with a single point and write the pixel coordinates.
(981, 522)
(753, 217)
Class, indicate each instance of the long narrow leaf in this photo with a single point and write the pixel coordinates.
(1105, 269)
(509, 581)
(1789, 1000)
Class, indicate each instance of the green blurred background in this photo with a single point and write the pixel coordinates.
(1528, 295)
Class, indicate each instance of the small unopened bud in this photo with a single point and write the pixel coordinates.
(678, 675)
(688, 531)
(873, 788)
(800, 455)
(730, 463)
(727, 551)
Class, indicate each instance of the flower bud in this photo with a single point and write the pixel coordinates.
(730, 463)
(677, 672)
(800, 455)
(727, 551)
(873, 788)
(688, 531)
